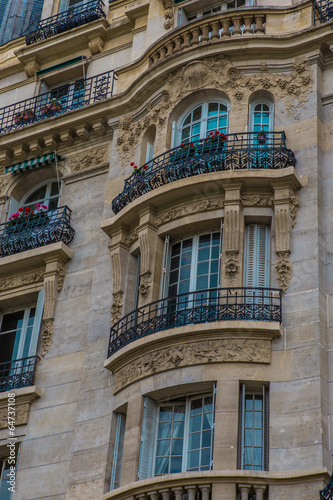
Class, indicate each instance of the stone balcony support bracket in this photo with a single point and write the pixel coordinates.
(119, 261)
(232, 232)
(23, 399)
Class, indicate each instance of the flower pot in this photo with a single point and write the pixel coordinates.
(28, 116)
(18, 117)
(261, 139)
(53, 108)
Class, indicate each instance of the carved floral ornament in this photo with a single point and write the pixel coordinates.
(209, 351)
(218, 73)
(91, 158)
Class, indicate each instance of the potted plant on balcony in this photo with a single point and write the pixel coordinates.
(182, 152)
(261, 137)
(53, 108)
(28, 115)
(25, 217)
(18, 117)
(215, 141)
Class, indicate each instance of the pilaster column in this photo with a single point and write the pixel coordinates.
(119, 263)
(233, 229)
(260, 490)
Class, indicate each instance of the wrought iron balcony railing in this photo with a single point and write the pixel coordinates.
(204, 306)
(323, 10)
(18, 373)
(58, 101)
(71, 18)
(327, 492)
(239, 151)
(36, 231)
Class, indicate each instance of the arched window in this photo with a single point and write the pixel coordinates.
(261, 116)
(203, 119)
(47, 193)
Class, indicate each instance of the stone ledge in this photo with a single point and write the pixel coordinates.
(23, 399)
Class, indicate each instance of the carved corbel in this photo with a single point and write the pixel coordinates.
(119, 258)
(232, 231)
(54, 277)
(96, 45)
(31, 68)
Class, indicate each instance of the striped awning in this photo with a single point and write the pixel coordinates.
(40, 161)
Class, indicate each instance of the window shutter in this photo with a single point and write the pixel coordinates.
(149, 152)
(147, 439)
(118, 451)
(37, 322)
(266, 427)
(213, 428)
(164, 266)
(257, 250)
(219, 284)
(242, 426)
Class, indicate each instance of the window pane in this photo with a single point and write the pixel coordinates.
(38, 195)
(195, 423)
(177, 447)
(54, 189)
(203, 268)
(213, 108)
(203, 254)
(163, 447)
(197, 114)
(176, 465)
(164, 430)
(193, 459)
(206, 438)
(161, 466)
(178, 430)
(205, 458)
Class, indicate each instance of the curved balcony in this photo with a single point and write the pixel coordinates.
(37, 231)
(17, 373)
(204, 306)
(71, 18)
(238, 152)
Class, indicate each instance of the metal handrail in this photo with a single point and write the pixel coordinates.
(238, 151)
(17, 373)
(58, 101)
(64, 21)
(36, 231)
(322, 10)
(327, 492)
(203, 306)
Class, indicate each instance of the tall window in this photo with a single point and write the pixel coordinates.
(203, 119)
(68, 96)
(19, 332)
(48, 194)
(194, 264)
(118, 451)
(261, 116)
(177, 436)
(253, 452)
(5, 464)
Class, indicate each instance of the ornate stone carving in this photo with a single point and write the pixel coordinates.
(283, 270)
(294, 203)
(47, 335)
(190, 208)
(21, 280)
(21, 415)
(117, 306)
(60, 276)
(132, 237)
(31, 68)
(96, 45)
(91, 158)
(209, 351)
(145, 284)
(232, 266)
(168, 15)
(256, 200)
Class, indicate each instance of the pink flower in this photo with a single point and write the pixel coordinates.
(37, 205)
(44, 206)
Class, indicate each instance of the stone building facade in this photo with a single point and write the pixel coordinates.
(169, 167)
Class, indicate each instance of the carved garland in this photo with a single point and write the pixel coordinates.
(21, 280)
(91, 158)
(210, 351)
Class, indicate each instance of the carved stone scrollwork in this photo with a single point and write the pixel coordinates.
(91, 158)
(47, 335)
(256, 200)
(96, 45)
(168, 15)
(21, 280)
(283, 270)
(293, 206)
(145, 285)
(232, 266)
(210, 351)
(191, 208)
(132, 237)
(31, 68)
(117, 306)
(60, 276)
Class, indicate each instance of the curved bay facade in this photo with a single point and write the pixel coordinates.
(165, 262)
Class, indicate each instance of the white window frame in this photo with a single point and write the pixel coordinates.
(183, 16)
(35, 328)
(252, 107)
(64, 5)
(3, 480)
(194, 261)
(203, 121)
(150, 431)
(47, 197)
(118, 451)
(265, 426)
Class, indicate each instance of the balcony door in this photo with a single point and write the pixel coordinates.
(70, 4)
(194, 270)
(257, 263)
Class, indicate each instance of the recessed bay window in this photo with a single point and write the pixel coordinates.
(202, 119)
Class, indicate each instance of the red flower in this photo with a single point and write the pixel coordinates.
(27, 209)
(145, 166)
(20, 209)
(217, 132)
(132, 163)
(135, 167)
(192, 145)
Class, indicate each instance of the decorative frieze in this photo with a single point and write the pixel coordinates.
(117, 306)
(209, 351)
(188, 209)
(91, 158)
(21, 280)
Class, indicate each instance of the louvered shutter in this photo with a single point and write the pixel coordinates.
(213, 428)
(164, 266)
(257, 251)
(266, 427)
(147, 439)
(118, 451)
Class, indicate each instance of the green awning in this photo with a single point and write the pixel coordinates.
(40, 161)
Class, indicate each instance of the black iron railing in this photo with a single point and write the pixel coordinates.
(71, 18)
(323, 10)
(18, 373)
(327, 492)
(204, 306)
(239, 151)
(36, 231)
(58, 101)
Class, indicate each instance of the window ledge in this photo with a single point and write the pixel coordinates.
(23, 399)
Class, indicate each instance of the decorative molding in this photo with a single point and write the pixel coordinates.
(232, 266)
(60, 276)
(21, 280)
(47, 335)
(190, 208)
(31, 68)
(117, 306)
(256, 200)
(23, 399)
(132, 237)
(293, 206)
(90, 158)
(96, 45)
(145, 285)
(283, 269)
(209, 351)
(21, 415)
(168, 14)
